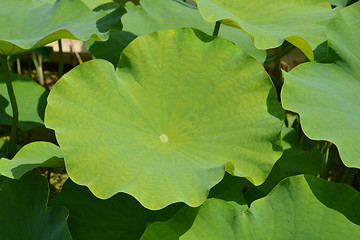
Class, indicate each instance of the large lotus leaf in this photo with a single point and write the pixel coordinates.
(23, 211)
(28, 24)
(32, 155)
(111, 49)
(290, 211)
(167, 119)
(300, 22)
(30, 98)
(120, 217)
(151, 16)
(326, 95)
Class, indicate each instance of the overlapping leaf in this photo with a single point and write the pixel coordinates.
(120, 217)
(290, 211)
(326, 95)
(301, 22)
(23, 211)
(95, 3)
(31, 101)
(111, 49)
(28, 24)
(151, 16)
(294, 161)
(167, 119)
(173, 228)
(32, 155)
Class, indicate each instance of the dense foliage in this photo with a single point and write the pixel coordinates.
(184, 127)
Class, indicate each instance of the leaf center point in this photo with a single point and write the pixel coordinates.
(164, 138)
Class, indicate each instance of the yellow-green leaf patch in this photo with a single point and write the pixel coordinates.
(166, 125)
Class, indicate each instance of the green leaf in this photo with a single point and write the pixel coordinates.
(112, 48)
(111, 20)
(32, 155)
(290, 211)
(92, 4)
(28, 24)
(23, 211)
(339, 2)
(338, 196)
(294, 161)
(120, 217)
(2, 179)
(167, 119)
(107, 7)
(326, 95)
(300, 22)
(230, 189)
(151, 16)
(4, 146)
(31, 101)
(173, 228)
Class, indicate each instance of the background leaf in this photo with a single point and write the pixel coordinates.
(173, 228)
(290, 211)
(112, 48)
(151, 16)
(338, 196)
(30, 219)
(326, 95)
(31, 101)
(32, 155)
(119, 217)
(300, 22)
(34, 23)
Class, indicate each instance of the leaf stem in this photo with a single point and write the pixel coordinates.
(216, 28)
(326, 163)
(18, 66)
(278, 55)
(61, 59)
(15, 111)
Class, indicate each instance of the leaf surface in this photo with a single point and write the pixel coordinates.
(326, 95)
(23, 211)
(300, 22)
(29, 24)
(32, 155)
(151, 16)
(290, 211)
(95, 3)
(167, 119)
(294, 161)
